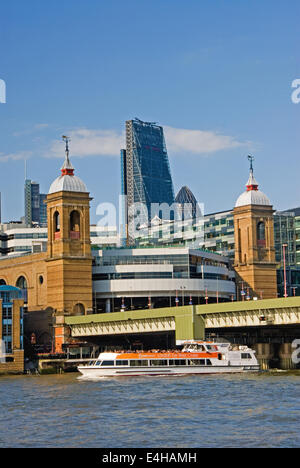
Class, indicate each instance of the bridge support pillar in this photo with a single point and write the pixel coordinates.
(189, 325)
(285, 356)
(264, 354)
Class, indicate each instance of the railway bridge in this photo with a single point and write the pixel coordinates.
(270, 326)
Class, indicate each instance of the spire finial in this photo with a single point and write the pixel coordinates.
(66, 139)
(67, 168)
(251, 184)
(251, 159)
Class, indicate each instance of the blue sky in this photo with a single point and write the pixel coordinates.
(216, 74)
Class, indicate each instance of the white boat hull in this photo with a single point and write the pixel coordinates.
(94, 373)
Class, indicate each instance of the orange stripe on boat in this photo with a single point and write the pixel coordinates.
(167, 355)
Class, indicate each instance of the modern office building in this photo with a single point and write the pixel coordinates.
(146, 175)
(35, 210)
(142, 278)
(11, 330)
(187, 204)
(19, 239)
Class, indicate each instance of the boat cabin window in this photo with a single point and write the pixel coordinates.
(211, 348)
(98, 363)
(246, 356)
(177, 362)
(159, 362)
(208, 362)
(108, 363)
(122, 363)
(138, 363)
(197, 362)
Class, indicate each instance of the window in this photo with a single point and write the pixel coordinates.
(56, 222)
(7, 313)
(21, 283)
(138, 363)
(158, 362)
(78, 309)
(208, 362)
(75, 225)
(246, 356)
(197, 362)
(180, 362)
(108, 363)
(6, 329)
(122, 363)
(261, 234)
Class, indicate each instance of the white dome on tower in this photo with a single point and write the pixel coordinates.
(67, 182)
(252, 196)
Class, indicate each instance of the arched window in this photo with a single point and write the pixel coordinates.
(261, 234)
(21, 283)
(75, 225)
(2, 282)
(56, 225)
(78, 309)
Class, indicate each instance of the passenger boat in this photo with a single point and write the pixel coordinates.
(196, 357)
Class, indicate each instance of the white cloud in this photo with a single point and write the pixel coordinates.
(85, 142)
(97, 142)
(21, 155)
(180, 140)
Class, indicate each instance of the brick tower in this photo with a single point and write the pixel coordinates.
(254, 242)
(69, 260)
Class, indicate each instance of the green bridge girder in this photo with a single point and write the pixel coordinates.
(189, 322)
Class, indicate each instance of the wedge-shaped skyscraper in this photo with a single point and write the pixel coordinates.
(146, 175)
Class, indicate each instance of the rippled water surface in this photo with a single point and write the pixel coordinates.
(197, 411)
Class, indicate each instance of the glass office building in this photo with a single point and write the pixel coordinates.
(35, 209)
(146, 175)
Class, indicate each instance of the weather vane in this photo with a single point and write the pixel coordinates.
(251, 159)
(67, 140)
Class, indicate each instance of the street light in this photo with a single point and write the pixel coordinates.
(243, 294)
(182, 289)
(284, 269)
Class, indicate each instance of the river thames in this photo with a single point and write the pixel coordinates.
(179, 412)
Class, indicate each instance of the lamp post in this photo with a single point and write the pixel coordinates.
(182, 290)
(206, 296)
(284, 269)
(243, 294)
(176, 299)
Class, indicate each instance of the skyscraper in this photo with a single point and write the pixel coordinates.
(187, 204)
(146, 175)
(35, 209)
